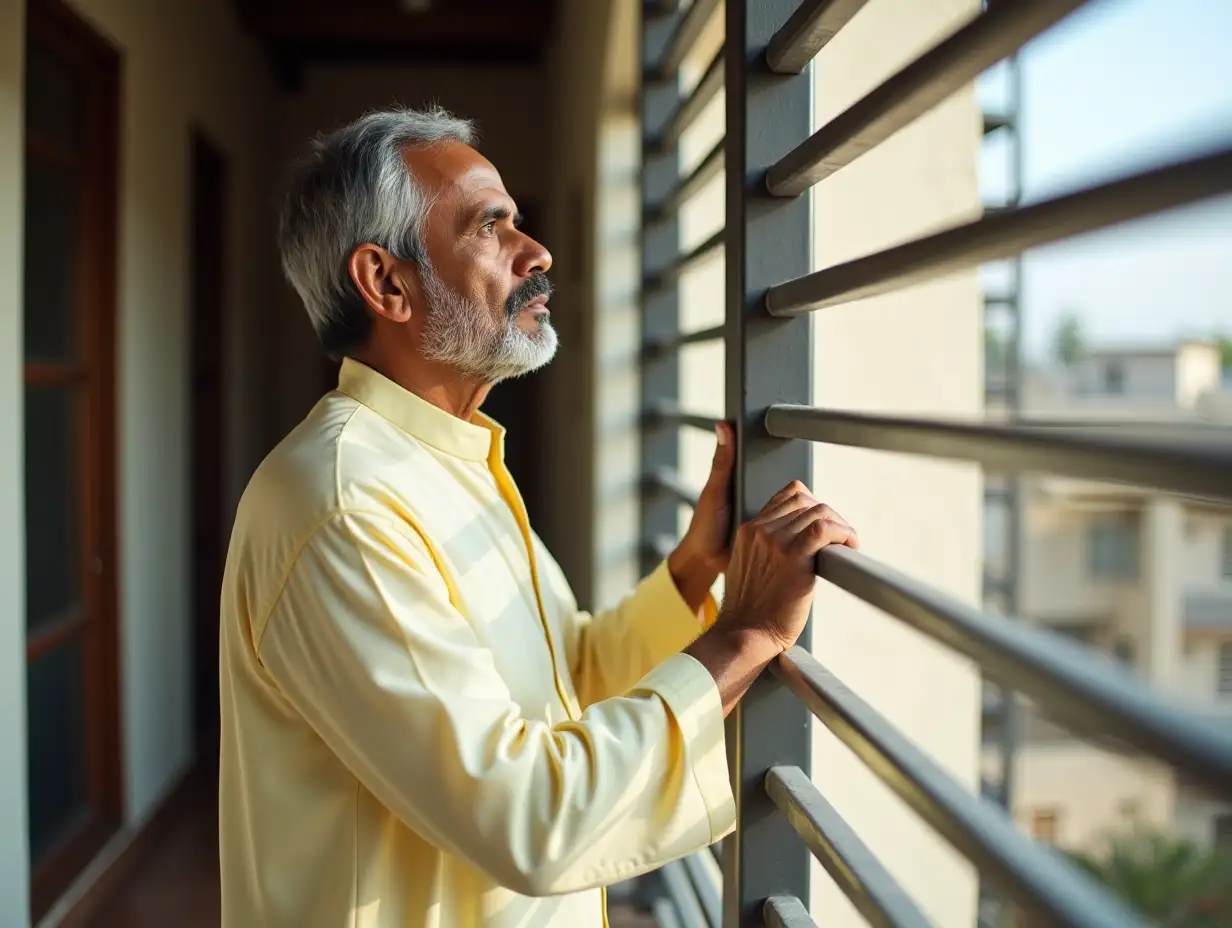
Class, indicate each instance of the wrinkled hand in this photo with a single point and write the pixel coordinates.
(771, 575)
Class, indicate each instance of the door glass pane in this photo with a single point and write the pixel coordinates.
(51, 247)
(53, 97)
(55, 755)
(53, 503)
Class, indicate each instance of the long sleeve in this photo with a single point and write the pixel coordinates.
(365, 645)
(610, 651)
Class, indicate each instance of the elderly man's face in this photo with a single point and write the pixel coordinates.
(485, 288)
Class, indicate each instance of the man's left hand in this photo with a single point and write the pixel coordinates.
(704, 551)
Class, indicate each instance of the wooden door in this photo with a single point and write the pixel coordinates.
(208, 455)
(69, 283)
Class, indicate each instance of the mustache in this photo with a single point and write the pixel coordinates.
(536, 285)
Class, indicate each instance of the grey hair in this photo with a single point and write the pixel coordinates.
(354, 188)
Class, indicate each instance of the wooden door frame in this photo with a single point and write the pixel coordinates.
(53, 23)
(205, 614)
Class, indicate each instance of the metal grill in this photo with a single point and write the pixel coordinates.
(771, 158)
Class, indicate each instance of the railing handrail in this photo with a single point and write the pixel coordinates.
(770, 295)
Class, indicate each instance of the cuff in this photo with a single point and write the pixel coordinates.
(673, 626)
(693, 698)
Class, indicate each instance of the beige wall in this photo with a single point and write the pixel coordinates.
(14, 875)
(915, 351)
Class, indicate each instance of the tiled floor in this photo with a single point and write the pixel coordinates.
(176, 885)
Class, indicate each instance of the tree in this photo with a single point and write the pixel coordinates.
(1170, 880)
(1225, 351)
(1068, 344)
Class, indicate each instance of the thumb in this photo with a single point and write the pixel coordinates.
(724, 459)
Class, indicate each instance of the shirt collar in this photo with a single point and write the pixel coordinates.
(477, 440)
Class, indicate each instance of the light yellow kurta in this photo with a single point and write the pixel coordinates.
(419, 728)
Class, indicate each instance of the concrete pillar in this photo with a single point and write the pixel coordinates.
(1161, 622)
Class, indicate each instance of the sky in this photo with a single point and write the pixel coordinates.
(1120, 86)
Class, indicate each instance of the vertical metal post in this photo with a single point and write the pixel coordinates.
(1013, 401)
(660, 373)
(768, 360)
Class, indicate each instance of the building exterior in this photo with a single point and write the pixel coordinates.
(1144, 578)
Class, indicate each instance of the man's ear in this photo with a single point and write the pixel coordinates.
(377, 277)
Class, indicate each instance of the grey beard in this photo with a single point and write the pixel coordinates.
(465, 336)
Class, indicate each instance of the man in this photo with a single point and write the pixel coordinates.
(419, 728)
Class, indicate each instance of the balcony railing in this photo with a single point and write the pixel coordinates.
(771, 158)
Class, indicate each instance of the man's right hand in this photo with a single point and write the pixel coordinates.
(770, 581)
(771, 577)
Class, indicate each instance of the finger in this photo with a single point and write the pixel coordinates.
(794, 524)
(719, 481)
(821, 533)
(787, 507)
(787, 492)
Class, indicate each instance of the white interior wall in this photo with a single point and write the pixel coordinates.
(14, 870)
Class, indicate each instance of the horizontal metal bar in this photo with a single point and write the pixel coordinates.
(995, 121)
(942, 70)
(1190, 467)
(661, 7)
(708, 887)
(682, 894)
(786, 912)
(682, 40)
(854, 868)
(677, 341)
(668, 481)
(1037, 878)
(1006, 234)
(672, 272)
(1061, 677)
(807, 31)
(690, 107)
(665, 913)
(670, 414)
(707, 169)
(661, 546)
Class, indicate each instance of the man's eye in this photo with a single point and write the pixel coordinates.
(489, 228)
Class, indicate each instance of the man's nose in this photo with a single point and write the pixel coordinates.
(532, 259)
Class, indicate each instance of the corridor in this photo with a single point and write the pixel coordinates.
(173, 880)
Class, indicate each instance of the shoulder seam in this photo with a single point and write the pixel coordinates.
(339, 512)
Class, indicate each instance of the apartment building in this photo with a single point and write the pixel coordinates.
(1146, 579)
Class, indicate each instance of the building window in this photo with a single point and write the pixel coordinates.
(1226, 558)
(1112, 548)
(1114, 378)
(1223, 678)
(1044, 825)
(1223, 831)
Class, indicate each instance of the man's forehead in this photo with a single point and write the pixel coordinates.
(454, 171)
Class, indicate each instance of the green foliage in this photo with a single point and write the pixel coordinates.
(1068, 343)
(1170, 880)
(1225, 351)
